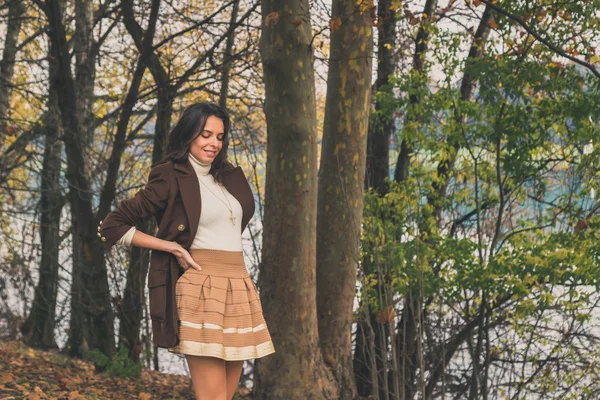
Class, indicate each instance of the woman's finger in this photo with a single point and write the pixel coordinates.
(193, 263)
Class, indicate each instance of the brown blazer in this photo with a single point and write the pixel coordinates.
(172, 196)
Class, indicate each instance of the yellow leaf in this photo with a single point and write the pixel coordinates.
(396, 4)
(493, 24)
(335, 23)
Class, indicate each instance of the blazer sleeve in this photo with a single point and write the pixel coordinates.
(145, 203)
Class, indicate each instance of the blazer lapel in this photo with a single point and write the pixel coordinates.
(189, 188)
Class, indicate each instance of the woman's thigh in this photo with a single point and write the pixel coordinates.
(234, 371)
(208, 377)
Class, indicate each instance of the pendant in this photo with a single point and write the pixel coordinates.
(232, 219)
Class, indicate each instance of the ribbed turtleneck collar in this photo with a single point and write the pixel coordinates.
(200, 167)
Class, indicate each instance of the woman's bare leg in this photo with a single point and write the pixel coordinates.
(208, 377)
(234, 371)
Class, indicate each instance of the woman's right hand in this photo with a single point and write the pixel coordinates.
(184, 258)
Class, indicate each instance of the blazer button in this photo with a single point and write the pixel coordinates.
(181, 227)
(103, 239)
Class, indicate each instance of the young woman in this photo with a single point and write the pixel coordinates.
(203, 303)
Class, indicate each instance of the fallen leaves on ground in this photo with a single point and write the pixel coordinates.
(27, 373)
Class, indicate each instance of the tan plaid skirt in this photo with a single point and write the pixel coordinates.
(219, 309)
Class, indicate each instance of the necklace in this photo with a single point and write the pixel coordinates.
(228, 204)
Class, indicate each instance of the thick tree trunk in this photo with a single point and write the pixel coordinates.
(38, 329)
(341, 186)
(16, 10)
(287, 278)
(91, 324)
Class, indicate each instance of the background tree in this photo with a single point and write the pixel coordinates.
(288, 265)
(341, 181)
(38, 329)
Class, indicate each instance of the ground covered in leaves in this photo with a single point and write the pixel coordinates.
(27, 373)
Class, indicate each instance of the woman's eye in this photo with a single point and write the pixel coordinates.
(219, 138)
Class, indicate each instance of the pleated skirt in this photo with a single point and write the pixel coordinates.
(219, 309)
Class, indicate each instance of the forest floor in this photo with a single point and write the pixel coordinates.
(27, 373)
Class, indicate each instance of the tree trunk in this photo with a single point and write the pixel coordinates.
(131, 309)
(287, 276)
(85, 66)
(16, 10)
(367, 361)
(91, 324)
(381, 128)
(38, 329)
(369, 357)
(227, 57)
(341, 185)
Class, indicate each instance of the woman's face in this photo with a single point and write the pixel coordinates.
(210, 141)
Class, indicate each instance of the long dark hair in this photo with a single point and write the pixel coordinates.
(189, 126)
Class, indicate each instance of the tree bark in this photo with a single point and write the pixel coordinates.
(287, 276)
(91, 324)
(341, 186)
(16, 10)
(381, 128)
(85, 66)
(38, 329)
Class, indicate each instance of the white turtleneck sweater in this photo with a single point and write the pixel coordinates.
(215, 230)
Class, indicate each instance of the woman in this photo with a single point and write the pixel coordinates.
(203, 303)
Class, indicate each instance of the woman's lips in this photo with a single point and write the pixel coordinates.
(210, 153)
